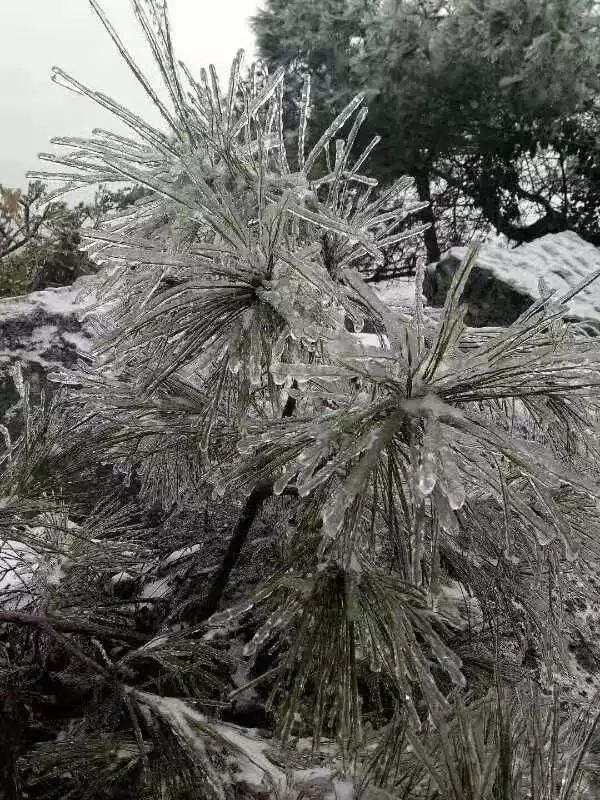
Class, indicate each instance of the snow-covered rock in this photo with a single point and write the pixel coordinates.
(43, 331)
(505, 282)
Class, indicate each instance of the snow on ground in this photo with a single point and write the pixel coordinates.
(183, 552)
(17, 565)
(562, 260)
(81, 342)
(34, 562)
(44, 327)
(398, 293)
(58, 301)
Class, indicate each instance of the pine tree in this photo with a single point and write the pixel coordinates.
(489, 105)
(419, 461)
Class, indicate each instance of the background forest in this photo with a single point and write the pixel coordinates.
(275, 535)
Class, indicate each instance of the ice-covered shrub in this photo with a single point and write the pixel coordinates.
(418, 464)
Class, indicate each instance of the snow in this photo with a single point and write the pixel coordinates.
(43, 336)
(312, 775)
(79, 341)
(255, 768)
(35, 562)
(562, 259)
(24, 570)
(121, 577)
(183, 552)
(344, 790)
(31, 356)
(156, 589)
(17, 565)
(33, 326)
(61, 301)
(36, 345)
(399, 292)
(187, 724)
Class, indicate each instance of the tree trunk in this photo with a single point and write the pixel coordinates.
(432, 246)
(250, 511)
(240, 533)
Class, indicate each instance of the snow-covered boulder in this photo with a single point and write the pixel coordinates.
(42, 331)
(505, 282)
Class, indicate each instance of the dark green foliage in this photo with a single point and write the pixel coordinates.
(490, 106)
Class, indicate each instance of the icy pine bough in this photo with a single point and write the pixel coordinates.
(224, 357)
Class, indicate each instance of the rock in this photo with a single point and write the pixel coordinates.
(43, 332)
(247, 712)
(505, 282)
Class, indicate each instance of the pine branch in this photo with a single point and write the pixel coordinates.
(71, 626)
(241, 531)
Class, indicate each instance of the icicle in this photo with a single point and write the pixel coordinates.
(452, 481)
(318, 478)
(234, 79)
(278, 347)
(546, 536)
(255, 358)
(375, 664)
(427, 474)
(6, 436)
(417, 230)
(304, 116)
(419, 320)
(571, 550)
(448, 660)
(229, 614)
(334, 514)
(337, 123)
(280, 374)
(365, 154)
(234, 363)
(16, 372)
(259, 100)
(278, 619)
(311, 460)
(282, 482)
(247, 444)
(303, 373)
(446, 515)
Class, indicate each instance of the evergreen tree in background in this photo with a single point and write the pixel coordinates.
(426, 492)
(491, 106)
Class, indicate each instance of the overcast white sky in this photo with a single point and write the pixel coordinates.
(38, 34)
